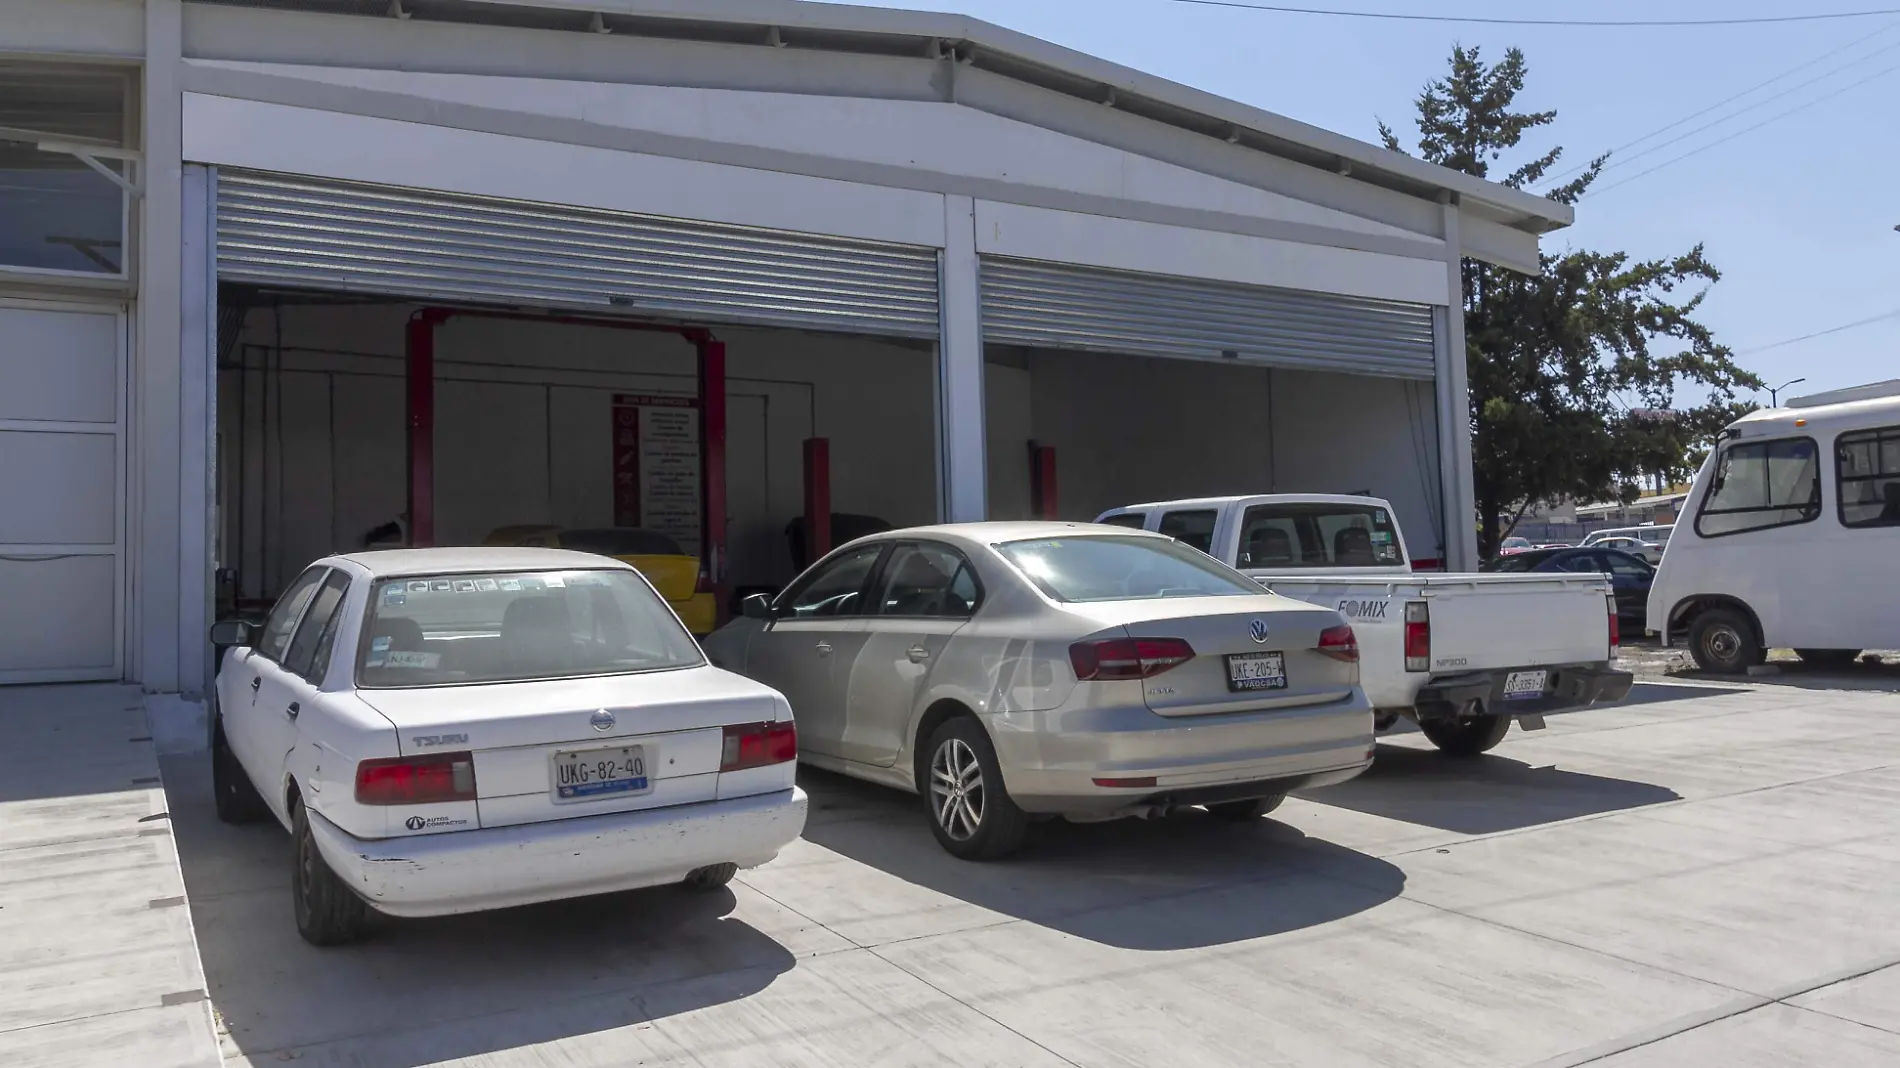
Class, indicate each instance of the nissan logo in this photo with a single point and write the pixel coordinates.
(1258, 631)
(602, 720)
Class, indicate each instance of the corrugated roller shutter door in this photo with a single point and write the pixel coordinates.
(323, 234)
(1060, 306)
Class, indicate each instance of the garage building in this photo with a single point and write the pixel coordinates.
(284, 277)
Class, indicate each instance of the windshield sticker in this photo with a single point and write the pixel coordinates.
(440, 586)
(486, 585)
(394, 597)
(403, 658)
(378, 649)
(1381, 535)
(1378, 515)
(510, 584)
(464, 585)
(554, 582)
(419, 586)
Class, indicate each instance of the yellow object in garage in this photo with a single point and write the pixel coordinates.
(673, 572)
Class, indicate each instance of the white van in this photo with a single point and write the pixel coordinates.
(1656, 534)
(1791, 537)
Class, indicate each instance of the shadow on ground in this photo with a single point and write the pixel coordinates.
(1880, 677)
(1481, 795)
(1646, 692)
(1179, 882)
(404, 996)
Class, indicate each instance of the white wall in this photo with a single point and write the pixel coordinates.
(1128, 429)
(523, 430)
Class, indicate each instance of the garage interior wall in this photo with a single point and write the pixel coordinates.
(1128, 429)
(523, 430)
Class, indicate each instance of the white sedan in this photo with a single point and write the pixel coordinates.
(452, 730)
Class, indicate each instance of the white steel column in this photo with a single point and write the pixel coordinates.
(963, 479)
(155, 377)
(1454, 410)
(197, 361)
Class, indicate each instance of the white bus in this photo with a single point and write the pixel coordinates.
(1791, 537)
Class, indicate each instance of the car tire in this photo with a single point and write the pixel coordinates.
(1245, 811)
(1831, 658)
(327, 913)
(1466, 736)
(973, 818)
(1722, 641)
(710, 877)
(232, 792)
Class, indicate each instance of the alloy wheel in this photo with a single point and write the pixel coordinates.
(956, 789)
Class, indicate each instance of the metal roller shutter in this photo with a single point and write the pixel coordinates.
(324, 234)
(1059, 306)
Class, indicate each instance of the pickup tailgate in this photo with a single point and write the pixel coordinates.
(1478, 622)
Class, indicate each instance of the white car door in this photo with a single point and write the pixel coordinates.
(817, 626)
(249, 713)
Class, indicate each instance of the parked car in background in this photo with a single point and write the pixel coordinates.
(1629, 574)
(1648, 533)
(1006, 671)
(454, 730)
(1790, 537)
(672, 570)
(1650, 553)
(1513, 545)
(1463, 655)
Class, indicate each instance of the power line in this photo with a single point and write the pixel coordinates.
(1755, 21)
(1672, 161)
(1823, 333)
(1579, 168)
(1797, 87)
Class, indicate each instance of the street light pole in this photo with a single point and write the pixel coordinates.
(1774, 395)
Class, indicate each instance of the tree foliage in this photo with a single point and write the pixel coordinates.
(1573, 373)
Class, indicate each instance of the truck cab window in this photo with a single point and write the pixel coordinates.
(1762, 484)
(1193, 528)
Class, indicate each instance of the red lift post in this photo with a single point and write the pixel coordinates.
(419, 372)
(817, 500)
(1042, 482)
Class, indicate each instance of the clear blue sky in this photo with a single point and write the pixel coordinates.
(1799, 215)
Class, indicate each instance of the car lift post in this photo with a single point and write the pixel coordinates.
(1042, 481)
(419, 375)
(817, 500)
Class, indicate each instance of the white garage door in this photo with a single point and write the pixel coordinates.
(62, 375)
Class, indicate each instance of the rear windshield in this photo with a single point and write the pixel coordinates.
(1319, 535)
(447, 630)
(620, 541)
(1120, 568)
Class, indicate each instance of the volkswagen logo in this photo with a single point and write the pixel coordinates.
(1258, 631)
(602, 720)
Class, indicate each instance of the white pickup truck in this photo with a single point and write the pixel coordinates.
(1463, 655)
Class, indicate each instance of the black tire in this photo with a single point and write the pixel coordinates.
(1466, 736)
(1723, 642)
(974, 819)
(1832, 658)
(327, 913)
(710, 877)
(236, 798)
(1245, 811)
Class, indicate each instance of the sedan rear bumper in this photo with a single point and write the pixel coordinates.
(500, 867)
(1051, 761)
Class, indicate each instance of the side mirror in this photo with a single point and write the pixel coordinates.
(756, 606)
(231, 632)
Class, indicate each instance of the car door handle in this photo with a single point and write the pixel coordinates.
(918, 654)
(824, 648)
(293, 710)
(256, 681)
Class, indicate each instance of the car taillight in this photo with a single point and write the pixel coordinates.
(1127, 658)
(1339, 643)
(422, 780)
(757, 745)
(1616, 635)
(1418, 636)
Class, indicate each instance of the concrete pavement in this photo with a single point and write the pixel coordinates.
(1701, 876)
(97, 961)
